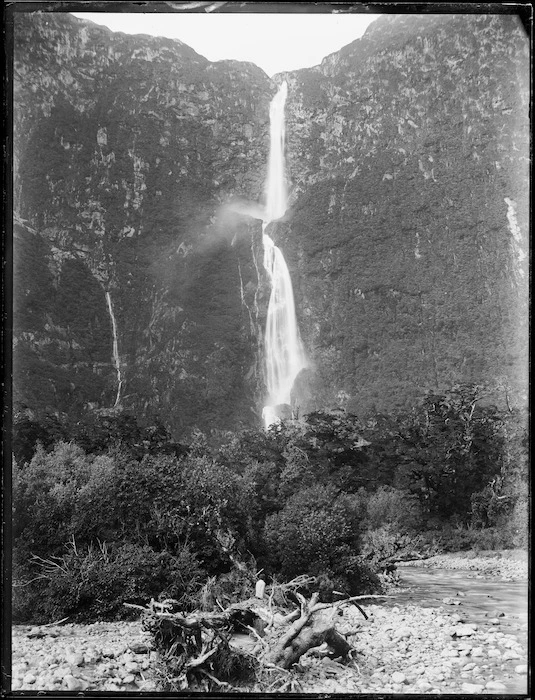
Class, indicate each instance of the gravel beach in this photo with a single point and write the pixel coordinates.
(508, 565)
(404, 649)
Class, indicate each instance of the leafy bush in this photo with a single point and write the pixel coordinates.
(146, 510)
(44, 496)
(317, 532)
(394, 507)
(28, 432)
(458, 538)
(381, 544)
(94, 582)
(94, 432)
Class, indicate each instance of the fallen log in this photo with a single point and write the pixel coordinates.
(317, 630)
(227, 648)
(314, 627)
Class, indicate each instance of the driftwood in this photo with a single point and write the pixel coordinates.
(308, 631)
(314, 626)
(226, 648)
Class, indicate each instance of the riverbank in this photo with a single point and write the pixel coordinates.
(402, 647)
(507, 565)
(103, 656)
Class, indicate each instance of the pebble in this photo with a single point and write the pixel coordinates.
(471, 688)
(448, 651)
(466, 630)
(74, 683)
(424, 686)
(74, 659)
(403, 633)
(510, 654)
(496, 685)
(398, 677)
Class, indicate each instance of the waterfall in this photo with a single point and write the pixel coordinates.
(116, 359)
(284, 354)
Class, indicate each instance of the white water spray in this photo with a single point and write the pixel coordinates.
(284, 353)
(116, 359)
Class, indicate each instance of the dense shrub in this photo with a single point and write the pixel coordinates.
(383, 543)
(28, 432)
(329, 496)
(393, 507)
(317, 532)
(94, 582)
(95, 433)
(44, 496)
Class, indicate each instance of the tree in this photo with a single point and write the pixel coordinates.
(317, 532)
(448, 449)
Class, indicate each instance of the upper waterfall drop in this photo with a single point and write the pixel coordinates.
(276, 201)
(284, 353)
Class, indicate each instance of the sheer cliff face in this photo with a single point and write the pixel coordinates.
(409, 151)
(406, 235)
(127, 149)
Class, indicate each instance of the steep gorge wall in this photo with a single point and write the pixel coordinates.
(406, 235)
(126, 150)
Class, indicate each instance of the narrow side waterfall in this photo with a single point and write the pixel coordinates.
(116, 359)
(284, 353)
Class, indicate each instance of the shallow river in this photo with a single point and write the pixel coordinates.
(480, 599)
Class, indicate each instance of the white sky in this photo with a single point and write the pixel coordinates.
(275, 42)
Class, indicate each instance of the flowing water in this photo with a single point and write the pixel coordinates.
(480, 599)
(115, 350)
(284, 353)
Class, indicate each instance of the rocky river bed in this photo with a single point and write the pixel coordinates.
(505, 565)
(403, 647)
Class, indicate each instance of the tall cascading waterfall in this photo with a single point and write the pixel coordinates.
(284, 353)
(115, 350)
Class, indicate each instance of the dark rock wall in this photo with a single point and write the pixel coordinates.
(408, 165)
(408, 233)
(126, 151)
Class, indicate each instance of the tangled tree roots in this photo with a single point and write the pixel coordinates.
(246, 644)
(196, 650)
